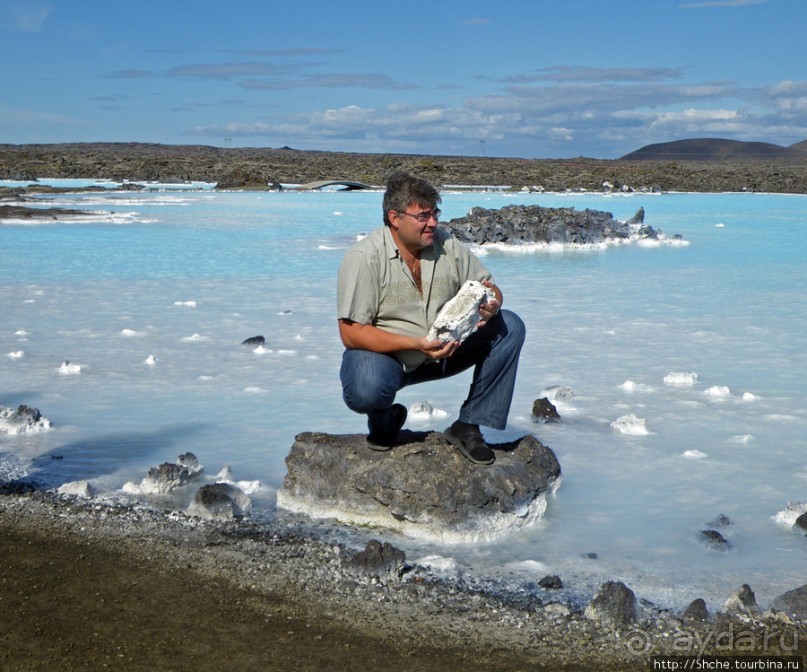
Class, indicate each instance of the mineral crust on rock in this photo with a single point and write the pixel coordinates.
(168, 476)
(25, 420)
(422, 487)
(458, 318)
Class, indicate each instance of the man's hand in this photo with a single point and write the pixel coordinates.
(437, 349)
(488, 310)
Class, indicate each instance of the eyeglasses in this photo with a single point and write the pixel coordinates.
(424, 217)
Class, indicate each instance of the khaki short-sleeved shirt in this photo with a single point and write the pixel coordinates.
(376, 287)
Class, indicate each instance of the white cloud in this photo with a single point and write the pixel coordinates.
(560, 133)
(25, 16)
(21, 117)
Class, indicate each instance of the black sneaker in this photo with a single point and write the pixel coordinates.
(470, 442)
(382, 441)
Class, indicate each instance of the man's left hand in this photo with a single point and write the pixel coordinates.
(489, 310)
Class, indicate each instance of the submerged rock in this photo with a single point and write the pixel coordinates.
(714, 540)
(423, 486)
(721, 520)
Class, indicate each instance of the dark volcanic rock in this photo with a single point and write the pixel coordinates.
(714, 540)
(696, 612)
(793, 603)
(523, 224)
(171, 475)
(219, 501)
(544, 410)
(254, 340)
(377, 560)
(801, 522)
(742, 602)
(614, 605)
(722, 520)
(421, 486)
(24, 212)
(551, 582)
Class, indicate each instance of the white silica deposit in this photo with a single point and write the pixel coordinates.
(22, 421)
(458, 318)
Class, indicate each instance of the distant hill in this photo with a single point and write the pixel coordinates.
(716, 149)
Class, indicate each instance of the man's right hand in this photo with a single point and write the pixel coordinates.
(437, 349)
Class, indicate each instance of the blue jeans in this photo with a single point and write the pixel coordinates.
(370, 380)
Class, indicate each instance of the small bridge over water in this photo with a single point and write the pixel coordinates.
(348, 185)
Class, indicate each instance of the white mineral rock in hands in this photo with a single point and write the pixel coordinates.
(458, 318)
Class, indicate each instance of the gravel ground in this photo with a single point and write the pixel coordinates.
(92, 585)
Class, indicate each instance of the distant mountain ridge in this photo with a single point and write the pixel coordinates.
(717, 149)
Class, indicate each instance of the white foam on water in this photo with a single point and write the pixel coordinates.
(438, 563)
(790, 513)
(533, 567)
(630, 386)
(694, 454)
(630, 425)
(68, 369)
(681, 378)
(743, 438)
(424, 412)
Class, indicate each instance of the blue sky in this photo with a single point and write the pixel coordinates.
(518, 78)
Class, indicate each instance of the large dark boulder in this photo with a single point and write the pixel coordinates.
(423, 486)
(524, 224)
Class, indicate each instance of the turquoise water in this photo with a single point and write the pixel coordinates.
(183, 276)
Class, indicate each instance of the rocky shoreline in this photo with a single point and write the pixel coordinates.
(283, 569)
(262, 168)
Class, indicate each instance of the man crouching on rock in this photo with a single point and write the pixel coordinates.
(391, 286)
